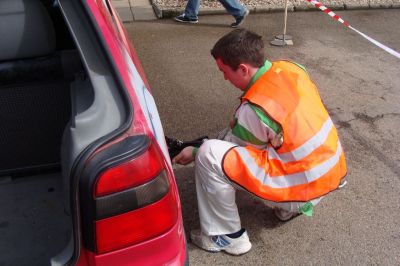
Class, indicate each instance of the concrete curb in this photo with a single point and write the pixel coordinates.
(169, 12)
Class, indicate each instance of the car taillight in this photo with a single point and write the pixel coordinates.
(133, 201)
(136, 226)
(132, 173)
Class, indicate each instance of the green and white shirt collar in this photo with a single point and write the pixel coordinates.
(267, 65)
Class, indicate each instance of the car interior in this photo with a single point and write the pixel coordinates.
(38, 66)
(48, 115)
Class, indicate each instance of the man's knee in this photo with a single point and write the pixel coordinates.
(213, 149)
(206, 148)
(209, 158)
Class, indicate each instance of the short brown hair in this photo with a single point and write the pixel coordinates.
(240, 46)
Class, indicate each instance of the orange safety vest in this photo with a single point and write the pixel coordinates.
(310, 163)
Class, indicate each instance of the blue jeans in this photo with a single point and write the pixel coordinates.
(232, 6)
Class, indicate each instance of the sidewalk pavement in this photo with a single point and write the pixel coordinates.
(133, 10)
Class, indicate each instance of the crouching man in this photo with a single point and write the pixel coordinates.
(281, 146)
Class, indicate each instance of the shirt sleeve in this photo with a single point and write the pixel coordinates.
(253, 127)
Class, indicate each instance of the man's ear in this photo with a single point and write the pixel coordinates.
(244, 69)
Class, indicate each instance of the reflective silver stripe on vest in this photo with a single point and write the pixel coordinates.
(305, 149)
(286, 181)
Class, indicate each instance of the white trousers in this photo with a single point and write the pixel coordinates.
(216, 193)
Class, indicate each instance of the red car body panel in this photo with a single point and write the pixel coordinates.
(164, 246)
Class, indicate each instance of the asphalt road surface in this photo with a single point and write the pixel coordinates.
(359, 84)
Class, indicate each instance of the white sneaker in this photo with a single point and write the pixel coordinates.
(234, 246)
(284, 215)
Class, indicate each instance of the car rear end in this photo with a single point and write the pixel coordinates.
(126, 199)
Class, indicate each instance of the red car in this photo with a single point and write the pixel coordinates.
(85, 175)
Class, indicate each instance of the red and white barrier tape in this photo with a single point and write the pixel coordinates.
(336, 17)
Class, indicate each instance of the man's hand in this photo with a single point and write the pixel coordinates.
(185, 156)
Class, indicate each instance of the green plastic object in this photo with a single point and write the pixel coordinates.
(307, 209)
